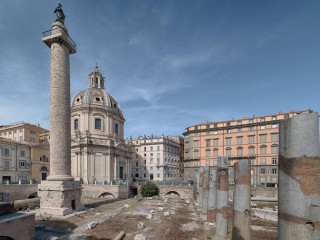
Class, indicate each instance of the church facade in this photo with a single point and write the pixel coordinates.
(98, 150)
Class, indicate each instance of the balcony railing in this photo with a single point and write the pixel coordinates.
(56, 30)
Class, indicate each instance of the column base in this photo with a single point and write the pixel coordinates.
(60, 197)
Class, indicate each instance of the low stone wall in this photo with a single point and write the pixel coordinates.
(122, 191)
(17, 226)
(19, 192)
(266, 214)
(183, 192)
(263, 192)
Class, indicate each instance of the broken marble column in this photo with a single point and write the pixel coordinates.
(222, 199)
(299, 178)
(200, 185)
(205, 189)
(241, 228)
(196, 185)
(212, 199)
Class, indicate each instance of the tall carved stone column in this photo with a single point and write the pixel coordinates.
(60, 194)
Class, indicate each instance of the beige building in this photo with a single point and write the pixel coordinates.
(40, 165)
(36, 138)
(22, 132)
(255, 138)
(15, 163)
(155, 158)
(98, 150)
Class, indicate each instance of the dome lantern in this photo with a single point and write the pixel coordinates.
(96, 79)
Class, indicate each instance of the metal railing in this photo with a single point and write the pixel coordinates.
(58, 29)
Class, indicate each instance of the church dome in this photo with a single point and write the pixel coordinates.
(95, 95)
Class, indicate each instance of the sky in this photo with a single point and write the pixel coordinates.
(170, 64)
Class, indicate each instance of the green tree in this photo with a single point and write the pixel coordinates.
(149, 190)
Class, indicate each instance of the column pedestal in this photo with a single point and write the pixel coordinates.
(59, 197)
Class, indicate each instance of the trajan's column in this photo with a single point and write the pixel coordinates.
(60, 194)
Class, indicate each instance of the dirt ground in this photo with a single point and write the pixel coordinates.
(185, 221)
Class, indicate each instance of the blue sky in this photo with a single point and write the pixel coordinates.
(170, 64)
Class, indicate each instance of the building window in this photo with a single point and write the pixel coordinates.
(215, 152)
(196, 128)
(195, 144)
(228, 124)
(228, 130)
(116, 128)
(263, 150)
(158, 175)
(5, 151)
(215, 142)
(274, 125)
(22, 153)
(208, 153)
(262, 171)
(274, 161)
(208, 133)
(215, 125)
(239, 129)
(151, 161)
(136, 164)
(196, 154)
(252, 161)
(22, 164)
(228, 152)
(195, 134)
(251, 139)
(76, 124)
(207, 143)
(274, 171)
(263, 138)
(274, 117)
(263, 127)
(251, 121)
(262, 161)
(145, 161)
(6, 165)
(239, 122)
(208, 163)
(151, 148)
(208, 126)
(274, 137)
(215, 132)
(239, 152)
(20, 138)
(158, 154)
(274, 149)
(286, 116)
(97, 124)
(251, 128)
(262, 119)
(44, 159)
(251, 151)
(228, 141)
(239, 140)
(158, 148)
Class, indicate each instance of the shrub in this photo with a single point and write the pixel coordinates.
(149, 190)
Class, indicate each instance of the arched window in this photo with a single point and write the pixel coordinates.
(97, 124)
(97, 81)
(274, 149)
(263, 149)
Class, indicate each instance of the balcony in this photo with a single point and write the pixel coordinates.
(56, 34)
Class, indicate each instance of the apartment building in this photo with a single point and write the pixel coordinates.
(255, 138)
(180, 141)
(155, 158)
(22, 132)
(15, 161)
